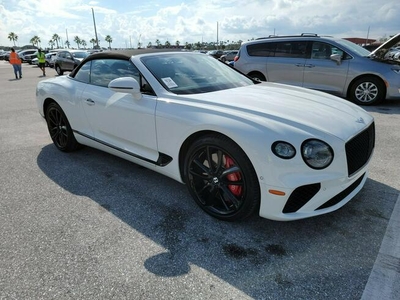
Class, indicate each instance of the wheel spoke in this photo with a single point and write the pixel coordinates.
(227, 197)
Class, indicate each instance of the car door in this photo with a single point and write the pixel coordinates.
(323, 73)
(68, 62)
(287, 63)
(117, 119)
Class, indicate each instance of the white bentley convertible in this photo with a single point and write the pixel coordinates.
(239, 145)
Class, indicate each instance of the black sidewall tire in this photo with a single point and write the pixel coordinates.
(58, 70)
(71, 143)
(251, 201)
(379, 97)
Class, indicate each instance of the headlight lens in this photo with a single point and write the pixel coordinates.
(316, 154)
(283, 150)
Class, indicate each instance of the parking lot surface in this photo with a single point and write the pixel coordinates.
(87, 225)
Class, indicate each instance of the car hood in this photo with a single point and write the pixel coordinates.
(383, 49)
(304, 109)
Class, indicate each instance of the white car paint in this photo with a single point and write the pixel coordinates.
(253, 116)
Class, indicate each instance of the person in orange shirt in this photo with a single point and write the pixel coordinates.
(16, 63)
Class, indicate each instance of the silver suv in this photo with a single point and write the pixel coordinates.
(332, 65)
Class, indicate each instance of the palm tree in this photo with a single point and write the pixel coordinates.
(167, 44)
(56, 38)
(83, 43)
(93, 41)
(35, 41)
(149, 45)
(67, 43)
(51, 43)
(77, 40)
(158, 43)
(108, 39)
(13, 37)
(177, 44)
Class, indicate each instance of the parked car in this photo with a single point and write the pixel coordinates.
(332, 65)
(215, 53)
(49, 60)
(67, 60)
(26, 55)
(229, 55)
(3, 54)
(241, 146)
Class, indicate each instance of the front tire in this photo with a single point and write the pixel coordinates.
(257, 76)
(59, 129)
(58, 70)
(367, 91)
(221, 178)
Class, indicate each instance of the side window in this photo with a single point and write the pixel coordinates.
(105, 70)
(83, 73)
(321, 50)
(293, 49)
(261, 49)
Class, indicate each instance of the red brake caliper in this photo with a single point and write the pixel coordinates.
(235, 189)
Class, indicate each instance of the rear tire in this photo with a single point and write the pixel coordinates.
(367, 91)
(59, 129)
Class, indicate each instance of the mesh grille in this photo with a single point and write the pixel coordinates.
(359, 149)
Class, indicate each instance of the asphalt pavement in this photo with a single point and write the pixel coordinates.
(87, 225)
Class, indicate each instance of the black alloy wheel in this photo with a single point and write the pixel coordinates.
(59, 129)
(221, 178)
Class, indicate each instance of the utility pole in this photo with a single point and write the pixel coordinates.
(217, 36)
(67, 42)
(95, 30)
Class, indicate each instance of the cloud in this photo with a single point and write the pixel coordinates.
(193, 20)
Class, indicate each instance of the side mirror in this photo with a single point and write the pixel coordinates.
(337, 58)
(127, 85)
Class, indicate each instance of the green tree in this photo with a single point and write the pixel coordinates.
(35, 41)
(51, 43)
(167, 44)
(149, 45)
(158, 43)
(56, 38)
(77, 40)
(13, 37)
(177, 43)
(93, 41)
(83, 43)
(109, 40)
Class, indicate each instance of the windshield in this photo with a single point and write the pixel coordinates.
(354, 47)
(189, 73)
(80, 54)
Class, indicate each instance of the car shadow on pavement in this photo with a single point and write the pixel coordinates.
(259, 257)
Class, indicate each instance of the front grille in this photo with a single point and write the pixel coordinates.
(359, 149)
(300, 197)
(343, 194)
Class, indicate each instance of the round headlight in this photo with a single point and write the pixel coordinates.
(316, 154)
(283, 150)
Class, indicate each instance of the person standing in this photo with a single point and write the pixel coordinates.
(42, 61)
(16, 63)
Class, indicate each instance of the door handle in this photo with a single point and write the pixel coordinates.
(90, 101)
(309, 66)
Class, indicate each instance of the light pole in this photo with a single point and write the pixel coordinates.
(95, 30)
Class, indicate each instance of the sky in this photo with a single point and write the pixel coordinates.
(129, 22)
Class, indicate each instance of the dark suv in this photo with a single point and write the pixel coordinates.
(67, 60)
